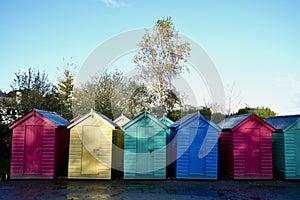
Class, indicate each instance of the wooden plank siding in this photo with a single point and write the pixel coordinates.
(145, 139)
(191, 137)
(286, 146)
(53, 147)
(245, 146)
(96, 147)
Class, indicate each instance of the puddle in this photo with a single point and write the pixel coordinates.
(171, 189)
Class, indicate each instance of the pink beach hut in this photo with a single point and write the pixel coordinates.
(40, 145)
(245, 147)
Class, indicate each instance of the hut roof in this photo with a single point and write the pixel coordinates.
(98, 114)
(53, 117)
(232, 121)
(282, 122)
(166, 120)
(141, 116)
(190, 117)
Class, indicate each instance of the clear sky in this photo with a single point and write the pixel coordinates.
(254, 45)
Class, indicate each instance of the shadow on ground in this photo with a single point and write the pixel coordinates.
(171, 189)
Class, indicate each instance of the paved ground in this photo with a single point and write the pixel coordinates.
(142, 190)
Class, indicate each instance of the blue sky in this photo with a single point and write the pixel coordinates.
(254, 45)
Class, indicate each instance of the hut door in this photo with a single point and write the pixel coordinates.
(253, 151)
(33, 149)
(145, 151)
(91, 142)
(297, 135)
(197, 163)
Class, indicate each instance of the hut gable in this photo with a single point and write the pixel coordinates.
(186, 120)
(235, 122)
(101, 120)
(121, 120)
(165, 120)
(281, 123)
(50, 118)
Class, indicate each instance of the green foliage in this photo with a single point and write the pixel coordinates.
(262, 112)
(64, 90)
(34, 90)
(217, 117)
(5, 142)
(112, 94)
(178, 114)
(174, 115)
(206, 112)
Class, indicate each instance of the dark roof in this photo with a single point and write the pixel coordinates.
(232, 121)
(186, 119)
(107, 119)
(282, 122)
(53, 117)
(183, 120)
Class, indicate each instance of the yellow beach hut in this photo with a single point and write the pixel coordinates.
(121, 120)
(95, 150)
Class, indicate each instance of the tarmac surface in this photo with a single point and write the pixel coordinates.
(149, 189)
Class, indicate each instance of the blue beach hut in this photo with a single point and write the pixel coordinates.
(194, 148)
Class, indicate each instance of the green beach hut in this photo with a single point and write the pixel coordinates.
(286, 146)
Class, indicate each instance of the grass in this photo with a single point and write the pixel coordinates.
(4, 165)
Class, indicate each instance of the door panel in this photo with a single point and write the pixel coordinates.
(33, 149)
(197, 164)
(252, 151)
(96, 150)
(145, 149)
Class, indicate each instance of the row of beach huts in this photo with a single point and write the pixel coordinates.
(46, 146)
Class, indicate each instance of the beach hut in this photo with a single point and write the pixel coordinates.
(145, 148)
(194, 148)
(121, 120)
(40, 143)
(165, 120)
(245, 147)
(286, 146)
(95, 150)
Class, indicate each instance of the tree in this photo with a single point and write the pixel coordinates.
(233, 100)
(112, 94)
(64, 90)
(262, 112)
(34, 91)
(161, 57)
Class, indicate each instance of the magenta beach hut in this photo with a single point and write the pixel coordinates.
(245, 147)
(40, 145)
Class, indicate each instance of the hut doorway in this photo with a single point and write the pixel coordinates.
(90, 141)
(145, 150)
(197, 163)
(33, 151)
(253, 151)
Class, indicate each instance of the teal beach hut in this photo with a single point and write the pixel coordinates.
(165, 120)
(145, 140)
(286, 146)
